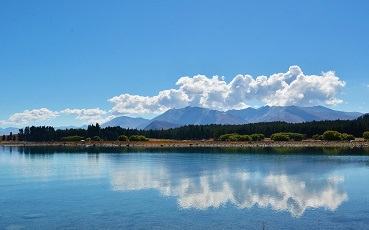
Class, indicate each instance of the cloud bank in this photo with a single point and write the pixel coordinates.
(280, 89)
(88, 116)
(28, 116)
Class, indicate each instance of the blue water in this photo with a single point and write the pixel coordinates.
(194, 188)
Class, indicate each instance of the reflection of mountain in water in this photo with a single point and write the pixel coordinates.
(282, 192)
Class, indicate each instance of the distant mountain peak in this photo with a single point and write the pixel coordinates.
(158, 124)
(195, 115)
(125, 122)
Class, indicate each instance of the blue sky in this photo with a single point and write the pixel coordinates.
(76, 62)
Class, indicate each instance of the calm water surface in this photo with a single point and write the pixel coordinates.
(120, 188)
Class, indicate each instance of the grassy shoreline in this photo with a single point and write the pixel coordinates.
(207, 143)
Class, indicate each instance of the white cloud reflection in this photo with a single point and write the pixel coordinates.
(198, 187)
(280, 192)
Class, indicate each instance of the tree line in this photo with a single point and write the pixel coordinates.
(198, 132)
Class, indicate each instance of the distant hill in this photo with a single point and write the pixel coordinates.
(157, 125)
(71, 127)
(364, 117)
(200, 116)
(292, 114)
(126, 122)
(7, 131)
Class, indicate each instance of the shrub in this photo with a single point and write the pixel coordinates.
(244, 138)
(316, 137)
(297, 136)
(332, 136)
(138, 138)
(88, 139)
(123, 138)
(347, 137)
(235, 137)
(280, 137)
(288, 136)
(261, 136)
(366, 135)
(96, 138)
(229, 137)
(257, 137)
(72, 138)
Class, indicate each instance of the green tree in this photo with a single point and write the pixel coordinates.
(244, 138)
(288, 136)
(280, 137)
(123, 138)
(27, 133)
(229, 137)
(347, 137)
(366, 135)
(20, 135)
(330, 135)
(316, 136)
(96, 138)
(138, 138)
(72, 138)
(93, 130)
(257, 137)
(218, 132)
(9, 137)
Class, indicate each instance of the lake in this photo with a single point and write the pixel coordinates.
(183, 188)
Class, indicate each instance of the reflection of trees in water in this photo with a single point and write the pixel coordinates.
(90, 148)
(287, 150)
(333, 150)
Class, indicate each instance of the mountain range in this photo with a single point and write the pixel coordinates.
(9, 130)
(200, 116)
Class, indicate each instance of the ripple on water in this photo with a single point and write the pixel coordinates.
(15, 227)
(34, 216)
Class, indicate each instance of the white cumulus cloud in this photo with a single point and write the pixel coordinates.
(135, 104)
(28, 116)
(280, 89)
(88, 115)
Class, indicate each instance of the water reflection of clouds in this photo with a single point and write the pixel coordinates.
(282, 192)
(293, 185)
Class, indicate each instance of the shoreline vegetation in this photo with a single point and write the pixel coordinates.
(163, 143)
(352, 134)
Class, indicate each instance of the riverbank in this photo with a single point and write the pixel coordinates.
(206, 143)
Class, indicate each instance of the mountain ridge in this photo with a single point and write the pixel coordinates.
(173, 118)
(126, 122)
(7, 131)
